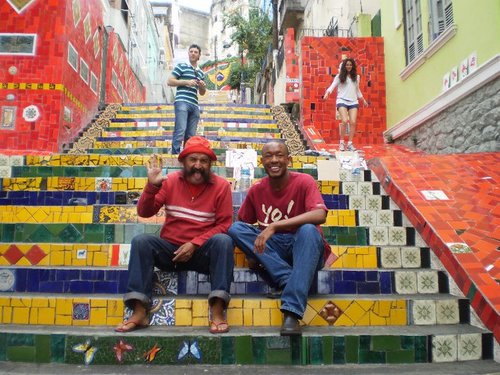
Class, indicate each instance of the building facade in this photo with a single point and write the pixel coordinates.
(443, 95)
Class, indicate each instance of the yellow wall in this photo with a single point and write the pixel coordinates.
(478, 30)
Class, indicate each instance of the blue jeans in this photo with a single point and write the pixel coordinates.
(291, 260)
(186, 121)
(214, 257)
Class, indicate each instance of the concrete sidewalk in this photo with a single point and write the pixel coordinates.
(455, 368)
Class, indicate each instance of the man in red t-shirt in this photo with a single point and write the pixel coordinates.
(198, 207)
(287, 244)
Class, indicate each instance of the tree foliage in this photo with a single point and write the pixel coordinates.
(253, 37)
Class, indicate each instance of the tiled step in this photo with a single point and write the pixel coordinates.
(88, 280)
(243, 310)
(243, 346)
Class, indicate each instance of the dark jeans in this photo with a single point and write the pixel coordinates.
(291, 260)
(214, 257)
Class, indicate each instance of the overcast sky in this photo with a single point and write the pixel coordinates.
(202, 5)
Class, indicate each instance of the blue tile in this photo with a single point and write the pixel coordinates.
(106, 287)
(345, 287)
(80, 287)
(353, 275)
(368, 288)
(256, 287)
(386, 283)
(21, 279)
(372, 275)
(33, 280)
(51, 287)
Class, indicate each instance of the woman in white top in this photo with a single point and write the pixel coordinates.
(348, 94)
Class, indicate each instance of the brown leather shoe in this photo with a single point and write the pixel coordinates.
(291, 325)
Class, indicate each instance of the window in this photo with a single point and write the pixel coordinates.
(413, 29)
(84, 71)
(72, 57)
(441, 17)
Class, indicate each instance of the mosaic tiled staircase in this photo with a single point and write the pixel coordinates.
(66, 222)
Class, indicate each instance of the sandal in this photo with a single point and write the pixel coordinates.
(215, 327)
(137, 324)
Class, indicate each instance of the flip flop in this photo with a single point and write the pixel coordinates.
(137, 325)
(214, 327)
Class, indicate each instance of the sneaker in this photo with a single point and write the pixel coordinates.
(341, 146)
(350, 147)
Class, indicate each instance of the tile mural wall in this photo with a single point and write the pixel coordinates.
(320, 60)
(52, 52)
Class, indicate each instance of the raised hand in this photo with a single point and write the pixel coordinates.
(154, 167)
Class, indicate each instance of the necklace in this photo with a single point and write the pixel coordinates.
(196, 190)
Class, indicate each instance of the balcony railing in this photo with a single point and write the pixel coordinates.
(344, 33)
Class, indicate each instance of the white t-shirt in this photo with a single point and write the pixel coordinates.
(347, 92)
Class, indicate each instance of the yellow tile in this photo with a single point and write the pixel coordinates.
(309, 315)
(23, 262)
(6, 317)
(318, 321)
(183, 304)
(251, 304)
(364, 320)
(316, 304)
(80, 323)
(200, 308)
(349, 261)
(276, 318)
(398, 317)
(270, 304)
(113, 321)
(235, 317)
(366, 305)
(5, 301)
(20, 315)
(261, 317)
(382, 308)
(46, 315)
(33, 319)
(4, 262)
(376, 320)
(183, 317)
(236, 303)
(64, 307)
(98, 316)
(40, 302)
(57, 258)
(248, 317)
(63, 320)
(354, 311)
(200, 322)
(344, 321)
(115, 308)
(98, 302)
(20, 302)
(100, 260)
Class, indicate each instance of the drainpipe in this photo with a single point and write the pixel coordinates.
(104, 66)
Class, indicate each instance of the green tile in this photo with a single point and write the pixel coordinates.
(227, 355)
(365, 342)
(339, 350)
(327, 350)
(21, 353)
(3, 347)
(366, 356)
(7, 232)
(315, 351)
(244, 350)
(278, 357)
(472, 292)
(20, 339)
(42, 346)
(422, 349)
(407, 342)
(352, 347)
(259, 350)
(296, 344)
(71, 234)
(400, 356)
(57, 343)
(386, 343)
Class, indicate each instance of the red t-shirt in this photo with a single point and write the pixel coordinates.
(264, 205)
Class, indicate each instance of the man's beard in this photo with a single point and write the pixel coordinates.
(204, 173)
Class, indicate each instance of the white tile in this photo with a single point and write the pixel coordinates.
(390, 257)
(397, 236)
(367, 218)
(424, 312)
(16, 160)
(4, 161)
(373, 202)
(5, 172)
(365, 188)
(447, 312)
(444, 348)
(124, 255)
(406, 282)
(356, 202)
(469, 346)
(427, 282)
(379, 236)
(385, 218)
(350, 188)
(410, 257)
(419, 241)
